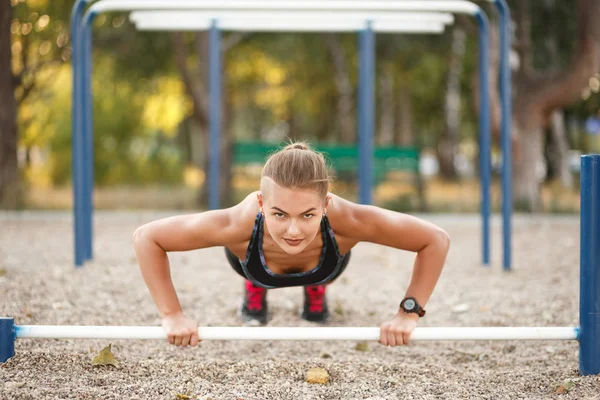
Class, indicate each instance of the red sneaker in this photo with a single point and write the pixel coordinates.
(315, 304)
(254, 307)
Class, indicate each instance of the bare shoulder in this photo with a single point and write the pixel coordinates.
(343, 215)
(242, 215)
(378, 225)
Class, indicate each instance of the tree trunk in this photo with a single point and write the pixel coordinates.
(345, 100)
(386, 115)
(404, 132)
(560, 148)
(10, 192)
(537, 95)
(197, 89)
(448, 144)
(529, 163)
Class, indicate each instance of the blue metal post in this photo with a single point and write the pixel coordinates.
(214, 78)
(76, 139)
(87, 124)
(505, 128)
(484, 133)
(589, 276)
(88, 152)
(7, 338)
(366, 113)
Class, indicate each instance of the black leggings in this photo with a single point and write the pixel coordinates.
(234, 261)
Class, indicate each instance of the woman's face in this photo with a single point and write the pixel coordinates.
(292, 216)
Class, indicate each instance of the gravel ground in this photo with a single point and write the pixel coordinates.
(40, 286)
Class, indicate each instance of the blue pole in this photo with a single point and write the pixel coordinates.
(589, 277)
(484, 133)
(366, 113)
(7, 338)
(214, 75)
(505, 131)
(76, 139)
(88, 143)
(88, 169)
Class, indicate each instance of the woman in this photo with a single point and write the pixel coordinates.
(293, 232)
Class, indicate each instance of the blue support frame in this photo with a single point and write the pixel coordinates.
(83, 142)
(366, 112)
(214, 82)
(7, 338)
(589, 276)
(485, 141)
(505, 131)
(77, 139)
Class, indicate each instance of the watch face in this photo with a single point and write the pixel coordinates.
(409, 304)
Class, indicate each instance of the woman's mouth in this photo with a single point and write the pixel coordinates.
(293, 242)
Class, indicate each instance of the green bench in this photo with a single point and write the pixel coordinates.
(342, 158)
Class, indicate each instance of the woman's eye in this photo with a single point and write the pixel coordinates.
(307, 216)
(279, 215)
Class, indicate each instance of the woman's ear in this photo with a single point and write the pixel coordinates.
(327, 200)
(259, 197)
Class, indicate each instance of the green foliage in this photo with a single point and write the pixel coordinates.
(272, 80)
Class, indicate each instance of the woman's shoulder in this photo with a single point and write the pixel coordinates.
(244, 213)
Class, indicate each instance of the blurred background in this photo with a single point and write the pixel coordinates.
(150, 100)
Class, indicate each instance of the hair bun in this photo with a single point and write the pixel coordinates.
(297, 146)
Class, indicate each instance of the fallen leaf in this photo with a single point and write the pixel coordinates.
(566, 386)
(317, 375)
(105, 357)
(2, 272)
(182, 396)
(362, 346)
(325, 355)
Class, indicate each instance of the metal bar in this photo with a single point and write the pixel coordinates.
(296, 333)
(77, 142)
(459, 6)
(88, 147)
(484, 134)
(505, 131)
(289, 26)
(589, 276)
(214, 80)
(297, 15)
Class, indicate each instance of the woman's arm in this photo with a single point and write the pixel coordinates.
(189, 232)
(152, 241)
(405, 232)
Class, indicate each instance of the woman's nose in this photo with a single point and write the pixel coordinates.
(293, 229)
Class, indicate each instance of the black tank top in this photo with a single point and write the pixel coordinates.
(255, 267)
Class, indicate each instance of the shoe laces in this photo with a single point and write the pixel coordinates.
(254, 296)
(316, 297)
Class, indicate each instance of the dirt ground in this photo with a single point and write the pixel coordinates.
(39, 285)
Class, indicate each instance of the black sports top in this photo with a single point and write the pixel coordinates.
(255, 266)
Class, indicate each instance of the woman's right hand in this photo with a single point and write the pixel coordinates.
(180, 330)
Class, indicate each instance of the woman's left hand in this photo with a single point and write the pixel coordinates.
(397, 331)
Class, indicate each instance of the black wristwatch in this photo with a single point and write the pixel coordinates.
(410, 305)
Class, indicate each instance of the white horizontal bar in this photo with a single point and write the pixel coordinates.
(288, 26)
(454, 6)
(295, 333)
(326, 16)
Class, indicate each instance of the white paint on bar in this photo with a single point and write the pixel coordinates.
(290, 26)
(325, 16)
(296, 333)
(456, 6)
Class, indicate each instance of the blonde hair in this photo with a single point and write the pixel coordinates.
(298, 166)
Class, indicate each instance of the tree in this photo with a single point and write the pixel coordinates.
(538, 93)
(9, 170)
